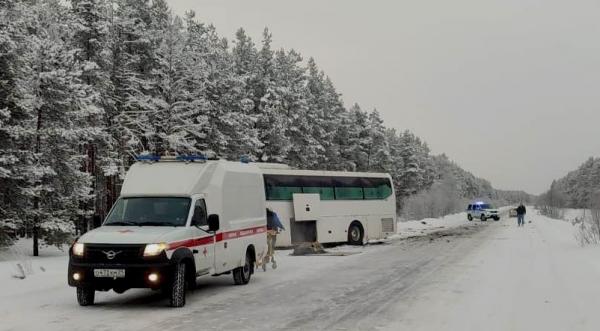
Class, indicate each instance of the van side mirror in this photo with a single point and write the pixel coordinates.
(213, 222)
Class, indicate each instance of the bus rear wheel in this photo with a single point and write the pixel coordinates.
(355, 234)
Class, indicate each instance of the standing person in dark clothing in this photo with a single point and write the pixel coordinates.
(521, 211)
(273, 227)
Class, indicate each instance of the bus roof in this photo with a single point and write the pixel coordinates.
(276, 171)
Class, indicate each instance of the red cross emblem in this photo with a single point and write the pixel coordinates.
(125, 231)
(204, 251)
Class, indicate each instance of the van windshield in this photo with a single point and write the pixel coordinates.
(149, 211)
(486, 206)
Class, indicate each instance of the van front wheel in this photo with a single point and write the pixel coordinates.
(469, 217)
(177, 288)
(85, 296)
(241, 275)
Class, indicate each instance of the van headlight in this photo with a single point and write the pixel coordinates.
(154, 249)
(78, 249)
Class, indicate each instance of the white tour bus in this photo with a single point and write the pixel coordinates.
(330, 206)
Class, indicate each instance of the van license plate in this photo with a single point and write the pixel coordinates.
(109, 273)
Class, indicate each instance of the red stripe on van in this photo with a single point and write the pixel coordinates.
(219, 237)
(191, 242)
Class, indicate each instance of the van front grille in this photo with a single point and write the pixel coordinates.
(107, 253)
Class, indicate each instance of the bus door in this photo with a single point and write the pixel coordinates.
(307, 210)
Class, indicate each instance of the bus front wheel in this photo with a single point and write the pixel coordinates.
(355, 234)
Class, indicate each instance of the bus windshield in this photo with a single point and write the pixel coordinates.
(149, 211)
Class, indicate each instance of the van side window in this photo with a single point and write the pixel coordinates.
(470, 207)
(199, 218)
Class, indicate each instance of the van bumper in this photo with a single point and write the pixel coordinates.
(136, 275)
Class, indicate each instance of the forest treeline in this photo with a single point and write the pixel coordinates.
(578, 189)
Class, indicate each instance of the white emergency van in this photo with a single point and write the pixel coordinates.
(176, 219)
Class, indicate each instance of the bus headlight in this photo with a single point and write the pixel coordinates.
(78, 249)
(154, 249)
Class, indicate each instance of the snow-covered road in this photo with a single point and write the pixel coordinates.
(479, 276)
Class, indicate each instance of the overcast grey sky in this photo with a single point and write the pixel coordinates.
(509, 89)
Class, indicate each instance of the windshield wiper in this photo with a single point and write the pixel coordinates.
(121, 223)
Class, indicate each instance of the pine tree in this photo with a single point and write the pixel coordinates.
(357, 145)
(326, 112)
(379, 158)
(90, 28)
(175, 130)
(397, 161)
(272, 122)
(290, 94)
(63, 107)
(17, 46)
(134, 86)
(230, 131)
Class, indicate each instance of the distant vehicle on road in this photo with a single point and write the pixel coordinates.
(482, 210)
(512, 212)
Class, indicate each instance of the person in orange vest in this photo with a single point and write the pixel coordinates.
(273, 227)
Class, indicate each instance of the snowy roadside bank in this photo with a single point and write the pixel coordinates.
(408, 229)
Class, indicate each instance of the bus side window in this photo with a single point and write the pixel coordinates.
(199, 218)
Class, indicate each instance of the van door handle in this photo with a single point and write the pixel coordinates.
(195, 251)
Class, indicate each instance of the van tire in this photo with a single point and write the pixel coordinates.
(178, 287)
(85, 296)
(355, 234)
(241, 275)
(469, 217)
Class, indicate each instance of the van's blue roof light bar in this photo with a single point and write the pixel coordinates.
(148, 157)
(184, 158)
(191, 158)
